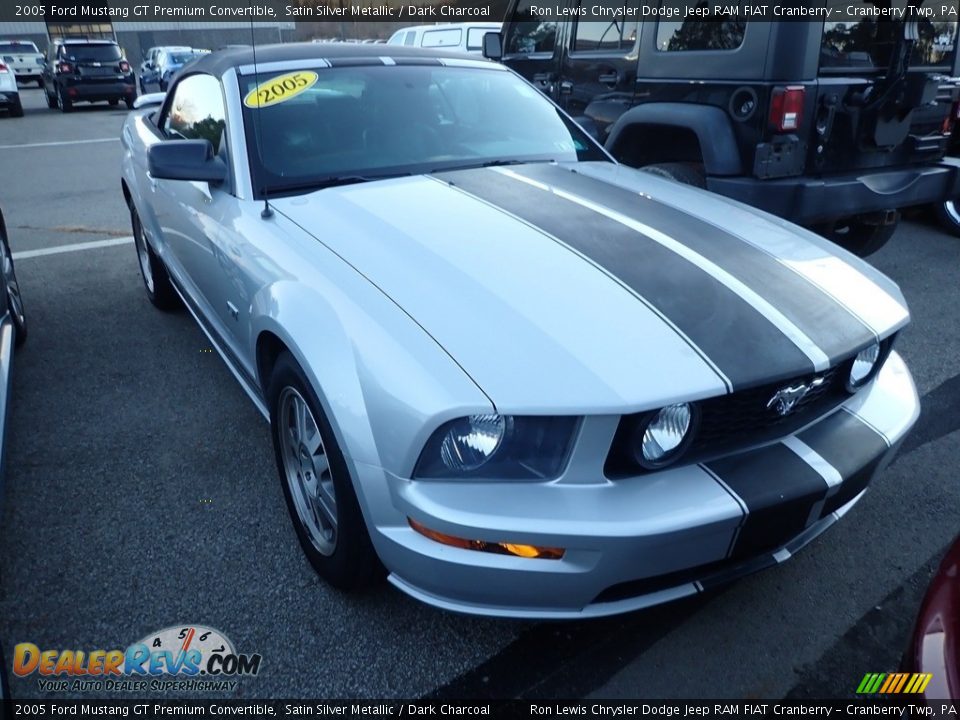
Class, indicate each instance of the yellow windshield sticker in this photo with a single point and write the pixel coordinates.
(280, 89)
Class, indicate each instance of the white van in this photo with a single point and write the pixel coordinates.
(465, 37)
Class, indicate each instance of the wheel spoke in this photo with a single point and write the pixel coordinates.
(321, 465)
(329, 508)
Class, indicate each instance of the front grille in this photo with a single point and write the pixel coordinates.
(729, 423)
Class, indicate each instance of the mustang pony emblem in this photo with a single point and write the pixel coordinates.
(785, 399)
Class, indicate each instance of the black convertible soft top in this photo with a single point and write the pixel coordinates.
(217, 63)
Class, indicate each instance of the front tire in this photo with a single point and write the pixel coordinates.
(316, 482)
(14, 300)
(156, 281)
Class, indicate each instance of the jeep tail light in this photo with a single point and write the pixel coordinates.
(3, 69)
(786, 108)
(948, 121)
(64, 67)
(124, 66)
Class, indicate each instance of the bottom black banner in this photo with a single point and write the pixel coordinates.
(614, 710)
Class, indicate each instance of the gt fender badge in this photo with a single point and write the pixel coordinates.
(785, 399)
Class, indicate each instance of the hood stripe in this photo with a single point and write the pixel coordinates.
(819, 359)
(816, 320)
(741, 341)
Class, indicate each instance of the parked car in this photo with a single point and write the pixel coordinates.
(935, 644)
(463, 37)
(24, 58)
(169, 63)
(947, 212)
(9, 92)
(833, 125)
(80, 70)
(148, 68)
(13, 333)
(526, 379)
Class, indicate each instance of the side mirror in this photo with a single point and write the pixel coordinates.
(148, 100)
(492, 46)
(186, 160)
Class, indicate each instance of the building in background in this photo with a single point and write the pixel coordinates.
(137, 37)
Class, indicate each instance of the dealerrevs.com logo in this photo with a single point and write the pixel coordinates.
(182, 657)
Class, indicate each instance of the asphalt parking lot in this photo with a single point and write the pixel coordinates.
(141, 493)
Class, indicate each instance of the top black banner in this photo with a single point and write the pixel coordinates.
(414, 11)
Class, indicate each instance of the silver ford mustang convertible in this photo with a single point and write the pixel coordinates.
(518, 377)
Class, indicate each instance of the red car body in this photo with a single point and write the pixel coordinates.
(935, 644)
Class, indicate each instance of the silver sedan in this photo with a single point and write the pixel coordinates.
(513, 375)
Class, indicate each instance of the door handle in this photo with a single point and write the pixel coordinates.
(566, 87)
(609, 78)
(544, 78)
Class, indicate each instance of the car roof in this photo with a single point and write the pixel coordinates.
(217, 63)
(84, 41)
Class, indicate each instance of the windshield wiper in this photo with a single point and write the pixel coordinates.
(488, 163)
(328, 182)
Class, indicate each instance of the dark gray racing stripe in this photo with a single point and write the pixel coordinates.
(852, 447)
(820, 317)
(743, 343)
(779, 490)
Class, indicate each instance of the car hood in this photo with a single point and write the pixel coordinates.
(591, 287)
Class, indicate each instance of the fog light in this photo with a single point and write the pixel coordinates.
(500, 548)
(863, 366)
(665, 435)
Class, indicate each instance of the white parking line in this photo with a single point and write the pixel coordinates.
(76, 247)
(62, 142)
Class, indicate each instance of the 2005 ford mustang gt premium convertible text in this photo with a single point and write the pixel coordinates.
(523, 379)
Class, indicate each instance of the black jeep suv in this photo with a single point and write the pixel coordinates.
(835, 125)
(80, 70)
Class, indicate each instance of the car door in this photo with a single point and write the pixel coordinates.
(532, 46)
(197, 218)
(599, 65)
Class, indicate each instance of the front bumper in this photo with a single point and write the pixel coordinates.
(639, 541)
(806, 200)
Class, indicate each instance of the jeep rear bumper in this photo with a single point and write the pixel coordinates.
(806, 200)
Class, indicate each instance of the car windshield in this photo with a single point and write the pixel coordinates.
(18, 47)
(92, 53)
(321, 126)
(181, 57)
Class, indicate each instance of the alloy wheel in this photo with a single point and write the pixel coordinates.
(306, 469)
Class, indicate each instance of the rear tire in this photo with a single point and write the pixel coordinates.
(13, 299)
(686, 173)
(51, 99)
(17, 109)
(114, 102)
(65, 104)
(156, 281)
(129, 102)
(859, 237)
(948, 215)
(316, 483)
(40, 83)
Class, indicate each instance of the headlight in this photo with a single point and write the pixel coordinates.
(663, 438)
(498, 447)
(863, 366)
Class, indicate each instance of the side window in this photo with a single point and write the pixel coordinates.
(441, 38)
(527, 34)
(196, 111)
(614, 35)
(410, 38)
(475, 37)
(700, 34)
